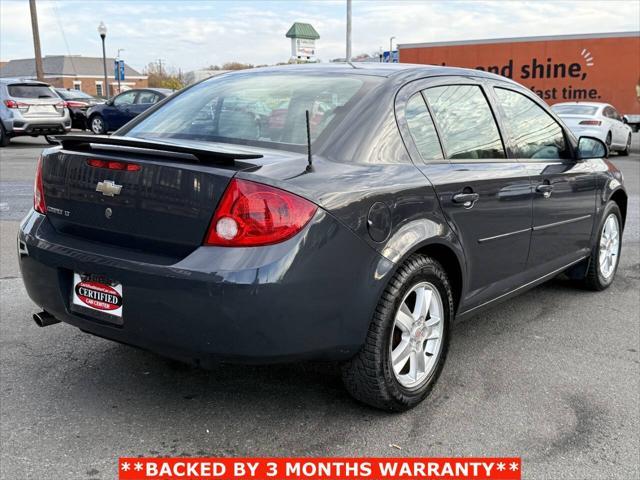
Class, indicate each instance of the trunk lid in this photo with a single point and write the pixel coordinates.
(164, 205)
(574, 120)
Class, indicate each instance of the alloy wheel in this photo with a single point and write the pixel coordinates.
(609, 246)
(416, 339)
(97, 125)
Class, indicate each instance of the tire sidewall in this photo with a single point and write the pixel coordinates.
(627, 148)
(412, 396)
(4, 138)
(610, 208)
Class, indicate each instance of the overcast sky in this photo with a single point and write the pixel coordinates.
(195, 34)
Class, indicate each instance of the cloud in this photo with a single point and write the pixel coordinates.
(195, 34)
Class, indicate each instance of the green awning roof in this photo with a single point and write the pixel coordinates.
(302, 30)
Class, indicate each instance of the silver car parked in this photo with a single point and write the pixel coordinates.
(29, 107)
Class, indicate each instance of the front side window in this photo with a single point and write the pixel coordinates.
(465, 122)
(125, 98)
(422, 129)
(614, 113)
(534, 132)
(256, 109)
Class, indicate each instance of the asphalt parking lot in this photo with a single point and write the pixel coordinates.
(552, 376)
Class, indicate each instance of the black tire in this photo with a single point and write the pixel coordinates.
(594, 279)
(98, 125)
(627, 148)
(369, 376)
(50, 140)
(4, 138)
(608, 140)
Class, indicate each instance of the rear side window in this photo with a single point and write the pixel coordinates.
(31, 91)
(465, 121)
(422, 129)
(534, 132)
(147, 97)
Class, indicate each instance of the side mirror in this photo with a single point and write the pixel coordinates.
(591, 147)
(625, 121)
(109, 102)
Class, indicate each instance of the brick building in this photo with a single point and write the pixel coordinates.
(76, 72)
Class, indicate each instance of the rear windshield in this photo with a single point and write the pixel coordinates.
(69, 94)
(574, 109)
(255, 109)
(31, 91)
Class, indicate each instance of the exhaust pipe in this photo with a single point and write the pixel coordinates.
(44, 319)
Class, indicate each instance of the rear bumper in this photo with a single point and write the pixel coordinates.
(309, 297)
(79, 118)
(37, 126)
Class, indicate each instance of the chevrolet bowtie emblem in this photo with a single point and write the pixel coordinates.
(108, 188)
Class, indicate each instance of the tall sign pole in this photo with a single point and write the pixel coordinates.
(36, 40)
(391, 49)
(118, 73)
(348, 56)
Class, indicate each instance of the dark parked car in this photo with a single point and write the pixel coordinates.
(78, 104)
(383, 202)
(114, 113)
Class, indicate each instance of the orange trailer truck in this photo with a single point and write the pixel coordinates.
(603, 67)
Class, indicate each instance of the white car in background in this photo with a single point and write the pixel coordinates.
(598, 120)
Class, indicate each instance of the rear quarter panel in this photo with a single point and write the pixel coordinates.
(365, 178)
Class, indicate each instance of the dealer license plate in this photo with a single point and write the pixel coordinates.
(97, 294)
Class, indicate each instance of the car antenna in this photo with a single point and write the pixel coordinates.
(310, 159)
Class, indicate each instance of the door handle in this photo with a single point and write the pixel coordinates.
(545, 189)
(466, 199)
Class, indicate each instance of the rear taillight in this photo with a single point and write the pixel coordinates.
(38, 190)
(112, 165)
(74, 104)
(252, 214)
(590, 122)
(14, 104)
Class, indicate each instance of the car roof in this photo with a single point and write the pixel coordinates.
(165, 91)
(31, 81)
(387, 70)
(586, 104)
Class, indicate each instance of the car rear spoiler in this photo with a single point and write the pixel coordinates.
(214, 152)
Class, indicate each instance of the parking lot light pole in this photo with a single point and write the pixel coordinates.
(348, 55)
(102, 30)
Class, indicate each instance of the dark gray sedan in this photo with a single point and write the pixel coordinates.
(339, 212)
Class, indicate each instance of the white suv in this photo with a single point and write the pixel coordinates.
(28, 107)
